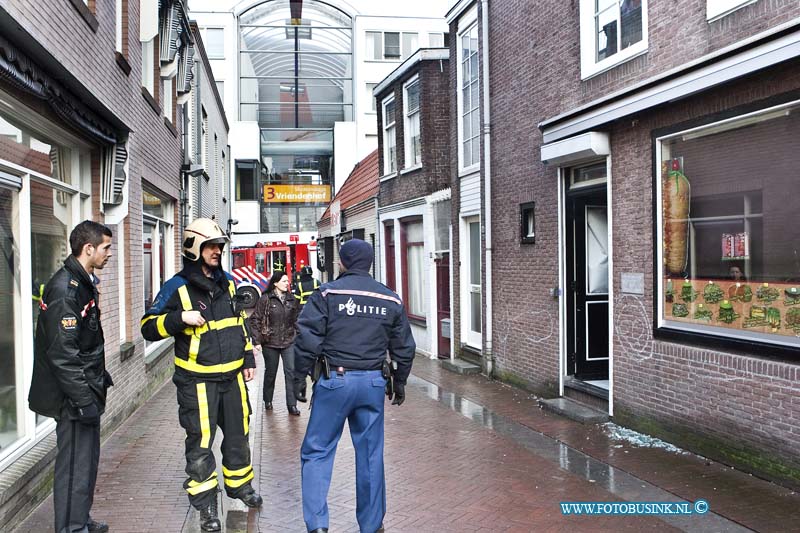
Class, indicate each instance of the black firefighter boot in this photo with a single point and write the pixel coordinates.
(209, 516)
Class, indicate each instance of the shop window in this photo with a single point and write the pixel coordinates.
(413, 155)
(389, 140)
(413, 268)
(728, 253)
(612, 31)
(469, 99)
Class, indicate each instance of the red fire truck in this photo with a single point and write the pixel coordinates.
(253, 266)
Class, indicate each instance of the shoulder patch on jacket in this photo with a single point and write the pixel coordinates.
(69, 322)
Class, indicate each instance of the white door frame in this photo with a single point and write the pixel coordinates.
(468, 336)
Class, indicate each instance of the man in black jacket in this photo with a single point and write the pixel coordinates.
(69, 376)
(352, 323)
(213, 359)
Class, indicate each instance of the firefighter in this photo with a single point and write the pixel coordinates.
(306, 285)
(69, 380)
(213, 359)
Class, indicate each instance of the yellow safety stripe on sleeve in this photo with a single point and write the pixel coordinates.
(148, 318)
(248, 345)
(193, 366)
(232, 288)
(234, 483)
(236, 473)
(186, 302)
(245, 410)
(196, 488)
(161, 325)
(205, 426)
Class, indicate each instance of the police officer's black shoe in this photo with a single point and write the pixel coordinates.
(251, 498)
(268, 406)
(96, 527)
(319, 530)
(293, 410)
(209, 517)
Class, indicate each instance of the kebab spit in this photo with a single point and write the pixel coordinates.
(676, 195)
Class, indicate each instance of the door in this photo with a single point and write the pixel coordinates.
(472, 305)
(443, 305)
(587, 283)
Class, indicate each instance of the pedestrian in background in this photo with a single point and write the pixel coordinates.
(274, 327)
(350, 323)
(70, 380)
(213, 359)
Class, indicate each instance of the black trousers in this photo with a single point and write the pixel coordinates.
(75, 473)
(271, 358)
(202, 407)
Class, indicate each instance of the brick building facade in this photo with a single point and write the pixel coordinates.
(92, 123)
(590, 134)
(414, 207)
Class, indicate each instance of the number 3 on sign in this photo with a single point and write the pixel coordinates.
(270, 193)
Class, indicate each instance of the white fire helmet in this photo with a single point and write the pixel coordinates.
(201, 231)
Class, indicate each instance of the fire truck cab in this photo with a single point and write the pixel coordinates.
(253, 266)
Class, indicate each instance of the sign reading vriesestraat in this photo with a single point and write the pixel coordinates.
(297, 193)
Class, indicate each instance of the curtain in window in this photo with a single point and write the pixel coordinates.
(414, 299)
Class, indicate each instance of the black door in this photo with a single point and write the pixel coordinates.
(587, 283)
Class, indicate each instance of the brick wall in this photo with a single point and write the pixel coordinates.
(736, 407)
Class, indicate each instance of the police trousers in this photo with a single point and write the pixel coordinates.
(356, 396)
(202, 407)
(75, 472)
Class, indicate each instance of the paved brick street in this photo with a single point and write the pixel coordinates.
(463, 454)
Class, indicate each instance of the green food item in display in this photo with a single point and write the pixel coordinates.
(726, 312)
(757, 318)
(767, 294)
(713, 293)
(740, 293)
(774, 318)
(680, 310)
(688, 294)
(703, 313)
(793, 319)
(669, 293)
(792, 296)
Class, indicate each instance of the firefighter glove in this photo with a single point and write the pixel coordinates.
(399, 393)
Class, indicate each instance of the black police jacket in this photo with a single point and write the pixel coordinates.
(273, 322)
(215, 351)
(352, 322)
(69, 356)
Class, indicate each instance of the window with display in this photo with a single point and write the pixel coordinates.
(729, 243)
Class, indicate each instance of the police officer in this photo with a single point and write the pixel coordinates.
(69, 375)
(213, 359)
(351, 323)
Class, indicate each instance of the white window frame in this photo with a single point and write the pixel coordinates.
(591, 67)
(408, 116)
(462, 166)
(167, 99)
(717, 9)
(167, 225)
(206, 41)
(80, 190)
(404, 52)
(389, 134)
(148, 65)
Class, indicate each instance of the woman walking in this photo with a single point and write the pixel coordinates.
(272, 325)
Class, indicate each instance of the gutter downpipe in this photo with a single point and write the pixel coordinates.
(487, 169)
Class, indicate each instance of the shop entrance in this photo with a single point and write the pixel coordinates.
(587, 277)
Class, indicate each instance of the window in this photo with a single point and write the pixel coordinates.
(716, 9)
(612, 31)
(157, 245)
(436, 40)
(204, 139)
(247, 180)
(389, 141)
(527, 221)
(44, 192)
(389, 247)
(413, 155)
(371, 97)
(168, 99)
(390, 45)
(122, 27)
(221, 90)
(148, 65)
(469, 99)
(413, 268)
(728, 232)
(214, 42)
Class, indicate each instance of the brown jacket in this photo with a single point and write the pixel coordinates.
(273, 322)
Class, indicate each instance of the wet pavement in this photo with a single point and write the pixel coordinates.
(462, 454)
